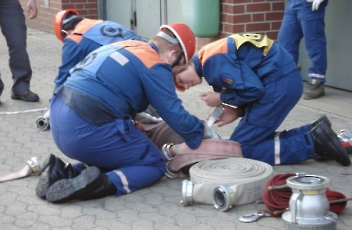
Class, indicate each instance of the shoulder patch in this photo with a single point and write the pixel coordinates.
(227, 80)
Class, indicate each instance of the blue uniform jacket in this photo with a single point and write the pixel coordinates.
(87, 36)
(239, 66)
(126, 77)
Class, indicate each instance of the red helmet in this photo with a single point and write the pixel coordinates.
(184, 36)
(59, 19)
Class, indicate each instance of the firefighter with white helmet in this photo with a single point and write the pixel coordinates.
(91, 116)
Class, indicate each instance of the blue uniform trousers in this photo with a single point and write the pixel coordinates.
(118, 148)
(256, 131)
(301, 22)
(13, 27)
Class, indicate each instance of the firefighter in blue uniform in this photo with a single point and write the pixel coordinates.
(256, 79)
(80, 36)
(91, 117)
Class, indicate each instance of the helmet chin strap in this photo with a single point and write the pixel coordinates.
(167, 37)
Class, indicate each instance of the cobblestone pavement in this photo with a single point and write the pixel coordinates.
(156, 207)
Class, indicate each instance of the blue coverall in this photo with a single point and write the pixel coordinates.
(13, 27)
(91, 113)
(300, 21)
(87, 36)
(256, 74)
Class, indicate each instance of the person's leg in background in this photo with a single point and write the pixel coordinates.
(290, 33)
(13, 27)
(315, 40)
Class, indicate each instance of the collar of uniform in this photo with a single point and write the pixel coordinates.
(152, 44)
(197, 65)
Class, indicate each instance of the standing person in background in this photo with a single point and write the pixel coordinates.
(305, 18)
(13, 27)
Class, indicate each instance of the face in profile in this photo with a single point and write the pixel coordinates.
(186, 77)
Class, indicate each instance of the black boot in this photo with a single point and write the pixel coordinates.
(57, 170)
(328, 145)
(106, 188)
(75, 188)
(323, 119)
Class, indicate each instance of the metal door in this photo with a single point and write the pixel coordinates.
(143, 16)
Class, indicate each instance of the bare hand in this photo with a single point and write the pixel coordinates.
(32, 9)
(228, 115)
(212, 99)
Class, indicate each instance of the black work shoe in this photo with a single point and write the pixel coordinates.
(106, 188)
(323, 118)
(27, 96)
(75, 188)
(314, 89)
(58, 170)
(325, 139)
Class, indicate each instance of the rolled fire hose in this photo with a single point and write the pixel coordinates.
(226, 182)
(42, 122)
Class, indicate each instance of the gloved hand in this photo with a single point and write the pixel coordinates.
(146, 118)
(315, 4)
(209, 133)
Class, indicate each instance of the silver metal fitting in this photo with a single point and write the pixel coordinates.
(223, 198)
(308, 205)
(165, 149)
(187, 192)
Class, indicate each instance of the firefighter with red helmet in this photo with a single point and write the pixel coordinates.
(91, 117)
(81, 36)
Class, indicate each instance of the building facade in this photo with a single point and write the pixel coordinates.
(235, 16)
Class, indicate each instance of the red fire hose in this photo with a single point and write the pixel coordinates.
(277, 195)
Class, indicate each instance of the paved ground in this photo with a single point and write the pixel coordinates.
(157, 207)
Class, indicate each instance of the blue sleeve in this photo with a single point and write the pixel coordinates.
(161, 93)
(239, 82)
(71, 55)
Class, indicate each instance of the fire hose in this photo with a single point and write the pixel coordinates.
(226, 182)
(32, 167)
(277, 195)
(180, 156)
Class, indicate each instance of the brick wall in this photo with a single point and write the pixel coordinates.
(260, 16)
(48, 8)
